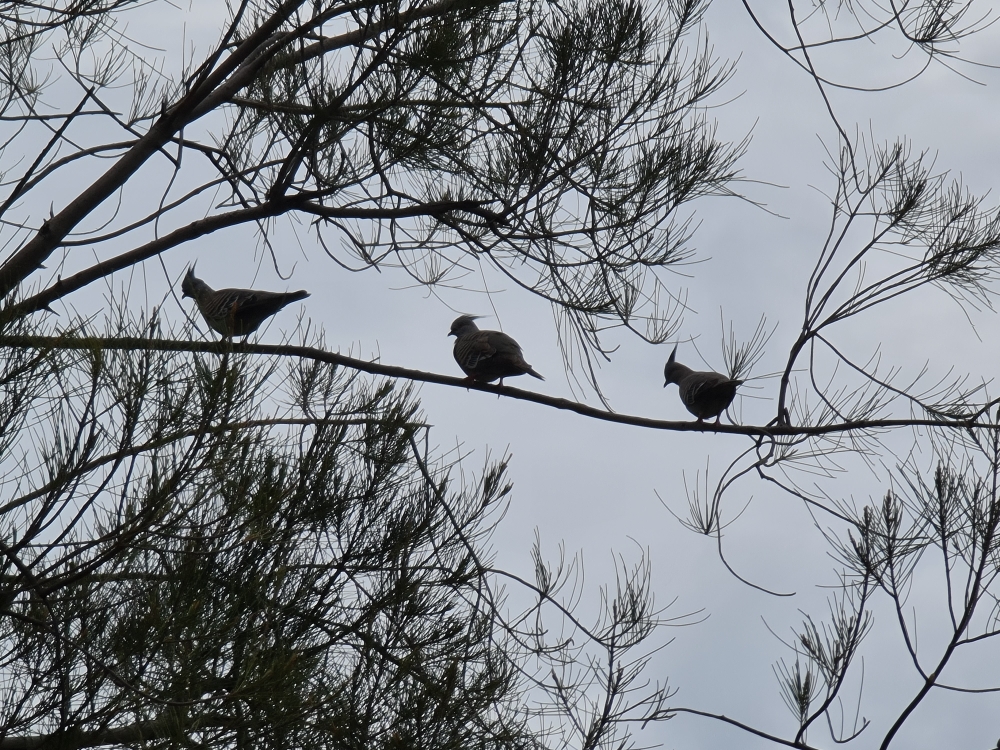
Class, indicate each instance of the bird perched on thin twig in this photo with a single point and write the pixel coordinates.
(705, 394)
(235, 312)
(485, 356)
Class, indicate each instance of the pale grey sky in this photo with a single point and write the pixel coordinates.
(595, 486)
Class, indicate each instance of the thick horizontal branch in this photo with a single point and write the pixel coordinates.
(429, 208)
(210, 224)
(188, 232)
(392, 371)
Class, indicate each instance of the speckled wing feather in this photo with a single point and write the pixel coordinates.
(471, 349)
(242, 311)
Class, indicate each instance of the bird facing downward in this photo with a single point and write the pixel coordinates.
(705, 394)
(485, 356)
(235, 312)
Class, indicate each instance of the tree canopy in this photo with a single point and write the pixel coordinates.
(252, 545)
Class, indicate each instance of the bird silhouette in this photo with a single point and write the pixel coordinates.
(705, 394)
(235, 312)
(485, 356)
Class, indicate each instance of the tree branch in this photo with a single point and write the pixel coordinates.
(393, 371)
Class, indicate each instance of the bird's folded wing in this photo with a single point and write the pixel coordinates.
(229, 299)
(476, 347)
(252, 303)
(504, 345)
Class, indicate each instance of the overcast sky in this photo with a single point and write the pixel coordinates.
(596, 487)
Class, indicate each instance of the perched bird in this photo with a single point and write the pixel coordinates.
(235, 312)
(705, 394)
(487, 355)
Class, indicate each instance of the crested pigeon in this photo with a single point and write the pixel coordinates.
(485, 356)
(705, 394)
(235, 312)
